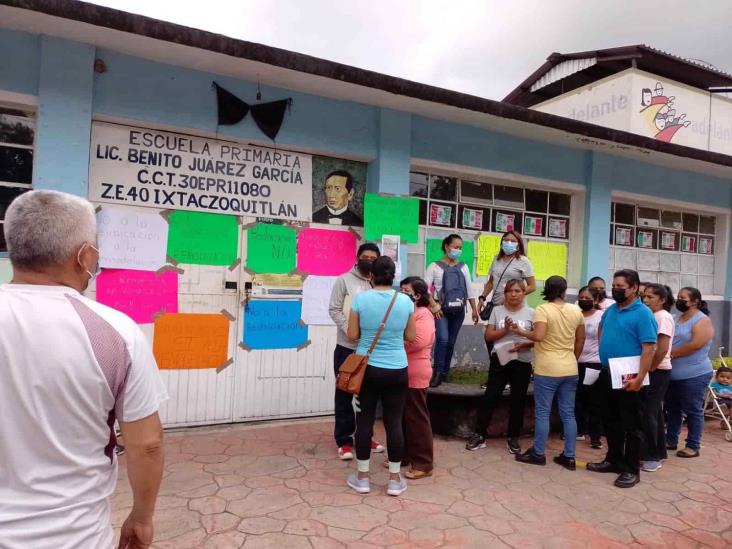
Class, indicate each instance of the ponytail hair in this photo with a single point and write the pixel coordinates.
(663, 292)
(696, 297)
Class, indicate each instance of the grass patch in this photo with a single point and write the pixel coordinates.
(467, 375)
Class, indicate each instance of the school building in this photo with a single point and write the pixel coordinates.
(234, 181)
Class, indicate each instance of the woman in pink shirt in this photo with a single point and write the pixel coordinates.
(659, 299)
(417, 426)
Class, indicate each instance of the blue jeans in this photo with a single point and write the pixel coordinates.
(565, 388)
(687, 396)
(448, 328)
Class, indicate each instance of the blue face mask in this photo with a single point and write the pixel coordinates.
(454, 253)
(509, 247)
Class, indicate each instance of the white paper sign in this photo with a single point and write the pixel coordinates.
(504, 352)
(143, 167)
(316, 292)
(623, 369)
(131, 239)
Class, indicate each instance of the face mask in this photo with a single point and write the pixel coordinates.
(586, 304)
(364, 265)
(682, 306)
(454, 253)
(598, 293)
(619, 295)
(96, 269)
(509, 247)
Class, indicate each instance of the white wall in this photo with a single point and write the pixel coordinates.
(616, 102)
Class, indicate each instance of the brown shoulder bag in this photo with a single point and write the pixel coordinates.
(351, 372)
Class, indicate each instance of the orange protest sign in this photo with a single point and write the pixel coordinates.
(191, 341)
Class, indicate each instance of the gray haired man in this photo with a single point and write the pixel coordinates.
(70, 368)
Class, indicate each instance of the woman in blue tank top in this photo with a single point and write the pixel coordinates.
(690, 373)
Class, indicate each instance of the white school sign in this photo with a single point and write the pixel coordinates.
(143, 167)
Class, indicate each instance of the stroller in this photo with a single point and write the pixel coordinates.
(712, 406)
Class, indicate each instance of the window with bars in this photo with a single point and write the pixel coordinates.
(17, 139)
(464, 204)
(665, 245)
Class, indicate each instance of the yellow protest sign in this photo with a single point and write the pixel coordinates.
(548, 259)
(488, 246)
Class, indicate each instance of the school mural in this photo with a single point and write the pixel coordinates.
(660, 113)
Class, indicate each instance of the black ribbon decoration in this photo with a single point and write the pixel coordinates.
(267, 116)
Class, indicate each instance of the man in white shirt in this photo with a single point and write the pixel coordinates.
(70, 368)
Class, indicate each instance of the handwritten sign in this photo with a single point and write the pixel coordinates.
(488, 247)
(130, 239)
(316, 292)
(274, 324)
(325, 252)
(548, 259)
(191, 341)
(202, 238)
(434, 252)
(391, 215)
(138, 294)
(271, 248)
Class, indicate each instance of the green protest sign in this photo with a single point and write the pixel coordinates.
(271, 248)
(391, 215)
(203, 238)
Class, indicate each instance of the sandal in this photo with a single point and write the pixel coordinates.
(415, 474)
(687, 453)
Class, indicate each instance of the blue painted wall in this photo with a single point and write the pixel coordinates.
(20, 61)
(64, 116)
(170, 95)
(470, 146)
(389, 172)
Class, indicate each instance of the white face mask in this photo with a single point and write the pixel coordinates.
(97, 270)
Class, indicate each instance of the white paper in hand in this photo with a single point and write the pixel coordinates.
(624, 369)
(504, 352)
(591, 376)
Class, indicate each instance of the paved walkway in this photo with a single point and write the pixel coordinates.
(280, 486)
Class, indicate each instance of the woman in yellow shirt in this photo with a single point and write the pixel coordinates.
(559, 336)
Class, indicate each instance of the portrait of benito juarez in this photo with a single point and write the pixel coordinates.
(338, 189)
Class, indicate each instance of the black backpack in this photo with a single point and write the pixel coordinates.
(454, 292)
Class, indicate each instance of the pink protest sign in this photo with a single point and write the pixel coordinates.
(138, 294)
(325, 252)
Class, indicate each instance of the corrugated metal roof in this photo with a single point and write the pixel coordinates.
(562, 70)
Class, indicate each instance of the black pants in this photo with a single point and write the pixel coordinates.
(516, 373)
(586, 408)
(345, 418)
(391, 387)
(621, 413)
(417, 431)
(654, 423)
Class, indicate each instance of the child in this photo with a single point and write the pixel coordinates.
(722, 387)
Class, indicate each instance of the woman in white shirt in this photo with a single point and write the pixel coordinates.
(451, 287)
(589, 421)
(659, 299)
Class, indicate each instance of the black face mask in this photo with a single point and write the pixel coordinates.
(619, 295)
(586, 304)
(682, 305)
(364, 265)
(599, 294)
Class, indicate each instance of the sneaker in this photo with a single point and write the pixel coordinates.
(376, 447)
(566, 462)
(596, 444)
(530, 457)
(345, 453)
(359, 485)
(580, 437)
(513, 446)
(396, 487)
(651, 466)
(475, 442)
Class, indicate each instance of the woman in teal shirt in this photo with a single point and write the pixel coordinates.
(386, 373)
(691, 371)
